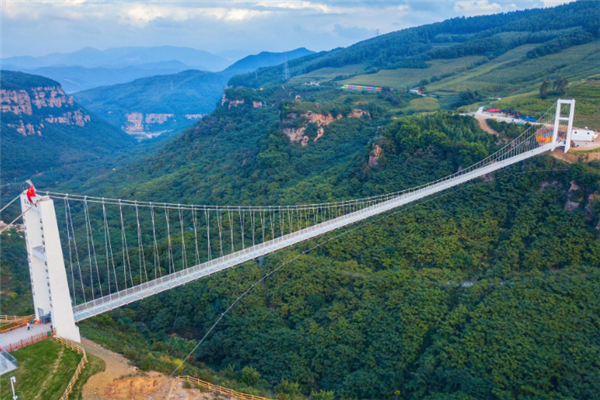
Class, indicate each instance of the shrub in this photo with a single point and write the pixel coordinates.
(250, 376)
(322, 395)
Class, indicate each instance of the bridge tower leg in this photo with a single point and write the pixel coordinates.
(558, 118)
(49, 284)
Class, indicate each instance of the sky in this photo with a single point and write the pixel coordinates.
(227, 27)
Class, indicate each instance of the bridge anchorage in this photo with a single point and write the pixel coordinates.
(88, 255)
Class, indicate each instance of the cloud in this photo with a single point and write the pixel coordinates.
(139, 15)
(469, 8)
(298, 5)
(553, 3)
(37, 28)
(353, 33)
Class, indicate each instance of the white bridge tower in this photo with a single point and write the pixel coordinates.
(47, 271)
(558, 118)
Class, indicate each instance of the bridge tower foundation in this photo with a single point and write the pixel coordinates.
(47, 271)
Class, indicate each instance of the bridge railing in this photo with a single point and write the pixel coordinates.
(75, 347)
(30, 340)
(179, 264)
(10, 322)
(218, 264)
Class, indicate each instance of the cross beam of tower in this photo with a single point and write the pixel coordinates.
(117, 251)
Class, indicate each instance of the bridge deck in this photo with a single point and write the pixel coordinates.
(103, 304)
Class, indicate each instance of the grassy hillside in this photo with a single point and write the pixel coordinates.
(410, 77)
(45, 369)
(498, 56)
(490, 36)
(43, 128)
(585, 91)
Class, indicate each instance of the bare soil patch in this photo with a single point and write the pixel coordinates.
(484, 125)
(121, 381)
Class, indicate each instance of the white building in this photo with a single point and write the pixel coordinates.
(583, 135)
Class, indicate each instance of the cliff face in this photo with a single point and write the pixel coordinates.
(144, 125)
(32, 107)
(43, 128)
(297, 134)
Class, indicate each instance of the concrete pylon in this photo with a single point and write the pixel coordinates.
(49, 284)
(558, 118)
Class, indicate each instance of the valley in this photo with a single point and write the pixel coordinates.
(487, 290)
(149, 107)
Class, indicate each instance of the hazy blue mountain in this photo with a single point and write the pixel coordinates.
(159, 104)
(120, 57)
(76, 79)
(265, 59)
(44, 128)
(156, 104)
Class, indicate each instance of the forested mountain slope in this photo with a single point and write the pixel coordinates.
(490, 291)
(43, 128)
(447, 298)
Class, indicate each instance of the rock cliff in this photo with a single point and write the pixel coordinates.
(139, 124)
(297, 134)
(36, 105)
(374, 155)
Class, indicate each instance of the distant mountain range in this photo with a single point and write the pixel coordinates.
(120, 57)
(154, 105)
(44, 128)
(89, 68)
(265, 59)
(76, 79)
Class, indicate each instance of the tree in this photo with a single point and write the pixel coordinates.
(560, 85)
(322, 395)
(250, 376)
(467, 97)
(544, 89)
(289, 388)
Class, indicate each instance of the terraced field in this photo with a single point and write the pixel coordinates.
(469, 79)
(410, 77)
(585, 91)
(423, 104)
(511, 73)
(327, 74)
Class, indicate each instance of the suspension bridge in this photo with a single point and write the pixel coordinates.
(88, 255)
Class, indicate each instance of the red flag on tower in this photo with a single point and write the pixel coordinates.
(31, 193)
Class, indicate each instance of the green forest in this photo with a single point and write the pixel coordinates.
(489, 290)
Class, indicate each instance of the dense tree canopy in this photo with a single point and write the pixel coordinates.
(488, 291)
